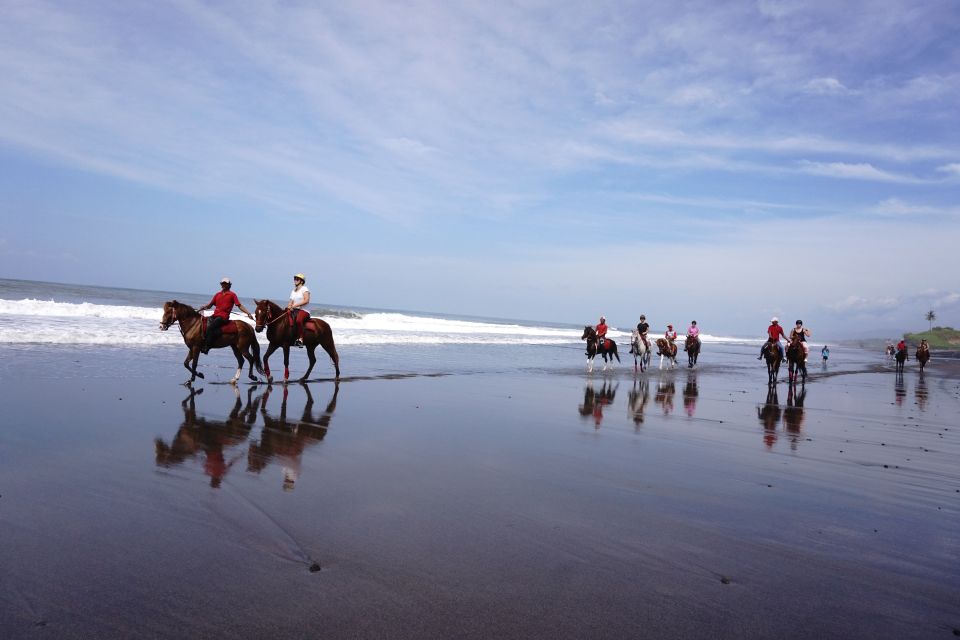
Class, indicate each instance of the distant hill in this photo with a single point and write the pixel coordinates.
(937, 338)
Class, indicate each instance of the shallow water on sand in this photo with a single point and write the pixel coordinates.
(477, 493)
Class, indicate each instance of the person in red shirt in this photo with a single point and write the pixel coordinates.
(223, 303)
(602, 330)
(902, 345)
(774, 333)
(670, 334)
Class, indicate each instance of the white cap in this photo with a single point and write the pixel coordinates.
(224, 279)
(774, 319)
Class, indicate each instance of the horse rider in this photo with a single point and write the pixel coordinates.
(693, 332)
(223, 303)
(642, 328)
(670, 334)
(774, 333)
(802, 333)
(902, 345)
(299, 298)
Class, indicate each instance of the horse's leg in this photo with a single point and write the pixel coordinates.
(286, 363)
(266, 357)
(239, 357)
(313, 360)
(193, 356)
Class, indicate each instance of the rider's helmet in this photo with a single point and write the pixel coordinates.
(799, 323)
(643, 317)
(224, 280)
(602, 319)
(302, 278)
(774, 320)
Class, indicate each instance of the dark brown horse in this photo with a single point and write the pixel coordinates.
(667, 348)
(236, 334)
(797, 360)
(923, 354)
(771, 353)
(280, 334)
(692, 347)
(901, 357)
(607, 349)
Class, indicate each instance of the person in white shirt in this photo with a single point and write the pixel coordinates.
(299, 298)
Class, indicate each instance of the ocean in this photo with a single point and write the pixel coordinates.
(40, 316)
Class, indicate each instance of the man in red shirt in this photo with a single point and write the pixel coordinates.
(223, 303)
(774, 332)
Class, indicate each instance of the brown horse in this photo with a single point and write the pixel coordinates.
(922, 355)
(692, 347)
(280, 334)
(236, 334)
(797, 360)
(771, 353)
(668, 349)
(901, 357)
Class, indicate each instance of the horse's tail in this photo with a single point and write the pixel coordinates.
(255, 348)
(615, 351)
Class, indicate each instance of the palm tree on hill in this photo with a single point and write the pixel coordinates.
(931, 316)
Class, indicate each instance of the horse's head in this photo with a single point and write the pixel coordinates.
(588, 333)
(169, 314)
(263, 314)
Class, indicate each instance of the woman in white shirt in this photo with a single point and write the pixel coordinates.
(299, 298)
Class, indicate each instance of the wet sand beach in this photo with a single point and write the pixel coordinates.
(428, 503)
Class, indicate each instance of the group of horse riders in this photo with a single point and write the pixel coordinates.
(643, 327)
(775, 332)
(224, 300)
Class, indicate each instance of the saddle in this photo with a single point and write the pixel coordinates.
(229, 327)
(607, 344)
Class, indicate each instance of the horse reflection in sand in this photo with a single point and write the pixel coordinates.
(595, 401)
(284, 441)
(211, 438)
(793, 415)
(920, 392)
(666, 390)
(690, 393)
(637, 401)
(281, 439)
(769, 414)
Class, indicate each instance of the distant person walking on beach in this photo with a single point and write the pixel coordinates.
(299, 298)
(642, 329)
(223, 303)
(774, 333)
(799, 331)
(825, 352)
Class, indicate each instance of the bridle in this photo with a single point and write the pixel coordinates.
(268, 314)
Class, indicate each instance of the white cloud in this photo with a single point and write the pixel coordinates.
(899, 207)
(860, 304)
(855, 171)
(952, 169)
(826, 86)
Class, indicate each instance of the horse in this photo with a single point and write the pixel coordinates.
(668, 349)
(797, 359)
(692, 347)
(922, 355)
(769, 415)
(280, 334)
(236, 334)
(901, 358)
(641, 354)
(608, 349)
(637, 401)
(771, 353)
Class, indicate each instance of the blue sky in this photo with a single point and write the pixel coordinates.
(537, 160)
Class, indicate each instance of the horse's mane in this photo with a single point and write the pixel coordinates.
(181, 307)
(273, 305)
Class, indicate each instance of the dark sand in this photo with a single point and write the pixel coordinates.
(478, 506)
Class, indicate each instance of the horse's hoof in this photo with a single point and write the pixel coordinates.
(200, 375)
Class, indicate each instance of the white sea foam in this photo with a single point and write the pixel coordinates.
(32, 321)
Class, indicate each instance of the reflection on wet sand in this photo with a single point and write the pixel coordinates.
(198, 435)
(690, 393)
(770, 414)
(595, 401)
(899, 389)
(281, 440)
(793, 414)
(665, 392)
(920, 393)
(637, 401)
(284, 440)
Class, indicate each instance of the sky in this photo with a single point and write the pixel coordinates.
(541, 160)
